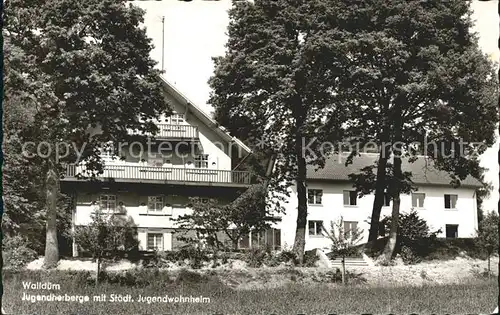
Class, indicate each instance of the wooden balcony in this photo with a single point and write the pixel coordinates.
(167, 175)
(171, 132)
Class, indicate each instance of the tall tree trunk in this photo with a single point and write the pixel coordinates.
(52, 192)
(395, 188)
(380, 186)
(378, 202)
(390, 246)
(300, 231)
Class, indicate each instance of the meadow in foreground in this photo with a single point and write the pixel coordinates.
(322, 298)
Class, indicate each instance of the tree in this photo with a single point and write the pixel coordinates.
(246, 213)
(21, 179)
(417, 74)
(85, 70)
(106, 236)
(276, 84)
(343, 241)
(487, 235)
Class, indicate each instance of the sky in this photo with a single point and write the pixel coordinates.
(195, 31)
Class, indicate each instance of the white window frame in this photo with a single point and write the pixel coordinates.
(349, 192)
(175, 119)
(201, 161)
(417, 205)
(316, 233)
(452, 206)
(316, 194)
(158, 202)
(107, 199)
(156, 244)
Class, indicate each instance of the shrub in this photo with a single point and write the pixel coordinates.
(255, 257)
(310, 258)
(162, 259)
(408, 255)
(272, 260)
(17, 252)
(288, 256)
(193, 255)
(414, 237)
(487, 236)
(138, 277)
(411, 226)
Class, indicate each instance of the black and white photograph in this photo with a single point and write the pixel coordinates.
(231, 157)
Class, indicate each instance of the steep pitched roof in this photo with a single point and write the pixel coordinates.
(201, 115)
(423, 173)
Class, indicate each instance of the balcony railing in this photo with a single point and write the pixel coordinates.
(138, 173)
(170, 131)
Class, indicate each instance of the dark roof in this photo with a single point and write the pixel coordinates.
(422, 171)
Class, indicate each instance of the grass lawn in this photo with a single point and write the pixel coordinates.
(474, 297)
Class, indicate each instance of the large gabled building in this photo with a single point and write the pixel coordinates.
(331, 195)
(192, 156)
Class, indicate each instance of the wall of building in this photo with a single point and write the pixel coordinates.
(210, 143)
(135, 207)
(332, 208)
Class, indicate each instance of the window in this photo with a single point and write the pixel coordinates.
(107, 202)
(315, 228)
(417, 200)
(451, 230)
(450, 201)
(155, 241)
(314, 196)
(350, 228)
(176, 119)
(387, 200)
(155, 203)
(350, 198)
(201, 161)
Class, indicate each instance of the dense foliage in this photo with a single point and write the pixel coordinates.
(209, 219)
(79, 74)
(487, 234)
(106, 236)
(385, 72)
(414, 236)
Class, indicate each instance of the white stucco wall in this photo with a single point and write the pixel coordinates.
(332, 208)
(146, 222)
